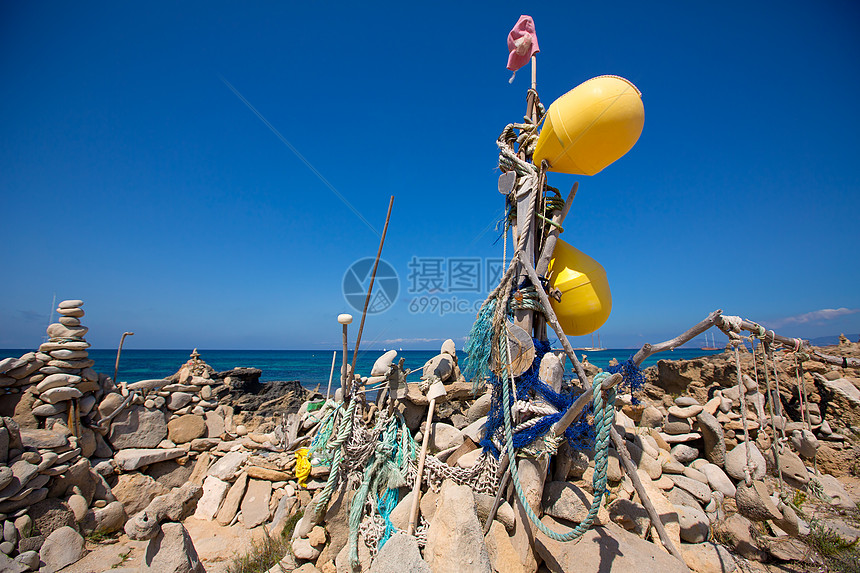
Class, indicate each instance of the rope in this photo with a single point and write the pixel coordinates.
(604, 412)
(344, 431)
(733, 323)
(765, 349)
(743, 396)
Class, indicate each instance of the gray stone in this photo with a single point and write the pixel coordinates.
(678, 496)
(694, 487)
(718, 480)
(6, 476)
(793, 468)
(56, 381)
(444, 436)
(28, 559)
(399, 555)
(714, 438)
(214, 424)
(171, 551)
(684, 453)
(695, 526)
(179, 400)
(651, 418)
(255, 504)
(61, 548)
(42, 439)
(228, 466)
(455, 541)
(137, 427)
(50, 409)
(8, 565)
(736, 460)
(105, 519)
(754, 502)
(22, 472)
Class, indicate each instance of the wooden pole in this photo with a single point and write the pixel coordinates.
(370, 287)
(118, 352)
(331, 375)
(437, 390)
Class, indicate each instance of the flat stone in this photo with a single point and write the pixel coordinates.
(694, 487)
(137, 427)
(228, 466)
(708, 557)
(22, 472)
(214, 492)
(255, 504)
(186, 428)
(150, 384)
(55, 395)
(268, 474)
(234, 496)
(133, 458)
(685, 412)
(42, 439)
(718, 480)
(69, 304)
(215, 427)
(680, 438)
(603, 549)
(565, 500)
(56, 381)
(57, 330)
(61, 548)
(684, 453)
(178, 400)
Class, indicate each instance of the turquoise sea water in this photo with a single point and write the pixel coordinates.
(310, 367)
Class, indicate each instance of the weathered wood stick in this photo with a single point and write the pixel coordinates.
(433, 393)
(549, 246)
(330, 375)
(118, 352)
(585, 398)
(370, 286)
(630, 468)
(649, 349)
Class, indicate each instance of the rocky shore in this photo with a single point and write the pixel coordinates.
(148, 476)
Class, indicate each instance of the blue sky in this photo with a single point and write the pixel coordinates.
(134, 178)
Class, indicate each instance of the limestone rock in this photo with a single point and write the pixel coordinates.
(228, 466)
(565, 500)
(603, 549)
(176, 505)
(718, 480)
(694, 487)
(171, 551)
(735, 531)
(62, 547)
(712, 434)
(132, 459)
(736, 460)
(400, 554)
(105, 519)
(231, 501)
(137, 427)
(136, 490)
(455, 542)
(186, 428)
(708, 558)
(214, 491)
(695, 526)
(255, 504)
(630, 515)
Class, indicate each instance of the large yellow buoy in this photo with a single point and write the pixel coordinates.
(585, 298)
(591, 126)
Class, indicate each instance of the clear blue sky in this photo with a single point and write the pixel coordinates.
(132, 177)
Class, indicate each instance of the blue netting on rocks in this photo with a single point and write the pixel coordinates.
(633, 378)
(580, 434)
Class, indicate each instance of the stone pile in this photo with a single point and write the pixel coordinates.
(690, 450)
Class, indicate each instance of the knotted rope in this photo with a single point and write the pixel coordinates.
(343, 433)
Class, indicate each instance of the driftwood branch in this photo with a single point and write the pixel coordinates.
(649, 349)
(630, 469)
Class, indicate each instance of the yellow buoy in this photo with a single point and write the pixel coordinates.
(585, 298)
(591, 126)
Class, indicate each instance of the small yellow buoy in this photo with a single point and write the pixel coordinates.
(585, 298)
(591, 126)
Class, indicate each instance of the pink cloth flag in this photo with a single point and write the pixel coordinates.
(522, 43)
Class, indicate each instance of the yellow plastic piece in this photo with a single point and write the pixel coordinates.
(591, 126)
(585, 298)
(303, 466)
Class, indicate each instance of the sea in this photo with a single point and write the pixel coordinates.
(310, 367)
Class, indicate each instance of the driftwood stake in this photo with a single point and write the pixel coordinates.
(437, 390)
(330, 375)
(118, 352)
(370, 287)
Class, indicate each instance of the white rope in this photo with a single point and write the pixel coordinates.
(733, 323)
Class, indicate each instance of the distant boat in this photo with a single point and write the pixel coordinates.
(713, 345)
(592, 348)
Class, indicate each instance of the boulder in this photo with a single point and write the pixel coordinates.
(708, 558)
(602, 549)
(565, 500)
(735, 533)
(455, 542)
(173, 506)
(255, 504)
(718, 480)
(400, 554)
(171, 551)
(137, 427)
(695, 526)
(736, 460)
(49, 515)
(61, 548)
(214, 491)
(105, 519)
(186, 428)
(136, 491)
(714, 438)
(630, 515)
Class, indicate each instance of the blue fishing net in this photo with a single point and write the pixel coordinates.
(633, 378)
(580, 434)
